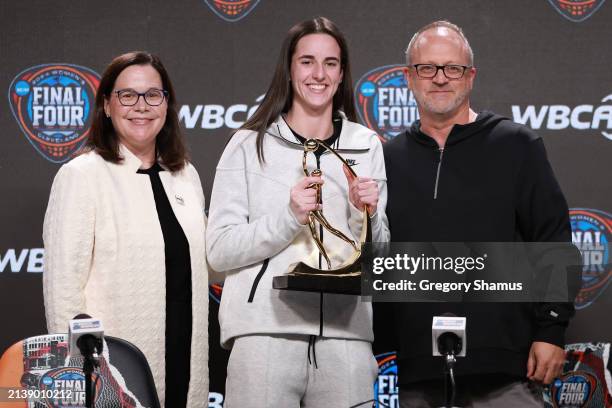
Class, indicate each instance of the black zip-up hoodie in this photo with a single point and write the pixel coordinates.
(492, 182)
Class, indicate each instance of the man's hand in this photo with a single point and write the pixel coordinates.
(363, 192)
(303, 198)
(545, 362)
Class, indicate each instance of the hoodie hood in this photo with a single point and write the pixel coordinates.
(484, 122)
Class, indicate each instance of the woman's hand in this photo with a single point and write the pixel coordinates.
(363, 192)
(303, 198)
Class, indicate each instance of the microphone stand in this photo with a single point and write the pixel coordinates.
(449, 380)
(88, 348)
(449, 345)
(88, 368)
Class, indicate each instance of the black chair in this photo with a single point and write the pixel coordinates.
(133, 366)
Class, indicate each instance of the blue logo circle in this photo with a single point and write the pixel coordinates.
(384, 102)
(592, 233)
(47, 380)
(22, 88)
(52, 104)
(367, 89)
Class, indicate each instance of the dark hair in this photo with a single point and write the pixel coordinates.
(169, 143)
(279, 96)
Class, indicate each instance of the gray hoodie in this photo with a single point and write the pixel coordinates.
(252, 235)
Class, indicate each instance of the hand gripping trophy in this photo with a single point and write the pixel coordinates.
(302, 276)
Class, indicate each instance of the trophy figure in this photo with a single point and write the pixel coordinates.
(345, 278)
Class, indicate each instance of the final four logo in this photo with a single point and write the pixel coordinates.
(385, 387)
(68, 384)
(591, 233)
(52, 104)
(232, 10)
(384, 102)
(576, 10)
(573, 390)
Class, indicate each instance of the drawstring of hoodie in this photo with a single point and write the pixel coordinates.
(311, 344)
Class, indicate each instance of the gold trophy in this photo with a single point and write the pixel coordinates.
(345, 278)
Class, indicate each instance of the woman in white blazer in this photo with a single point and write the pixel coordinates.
(124, 231)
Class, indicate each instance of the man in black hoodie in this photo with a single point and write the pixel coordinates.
(458, 175)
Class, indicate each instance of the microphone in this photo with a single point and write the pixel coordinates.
(449, 343)
(448, 335)
(449, 340)
(85, 334)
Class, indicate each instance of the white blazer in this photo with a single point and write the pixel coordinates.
(104, 256)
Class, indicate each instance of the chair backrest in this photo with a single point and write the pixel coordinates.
(133, 366)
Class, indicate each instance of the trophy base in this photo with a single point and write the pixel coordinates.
(345, 285)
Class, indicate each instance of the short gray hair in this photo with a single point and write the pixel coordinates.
(436, 24)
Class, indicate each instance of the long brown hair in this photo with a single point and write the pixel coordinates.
(279, 96)
(103, 139)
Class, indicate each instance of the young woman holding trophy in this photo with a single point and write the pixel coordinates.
(292, 348)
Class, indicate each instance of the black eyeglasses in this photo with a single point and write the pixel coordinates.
(428, 71)
(153, 97)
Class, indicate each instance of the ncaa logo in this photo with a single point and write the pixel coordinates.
(232, 10)
(574, 389)
(385, 387)
(384, 102)
(591, 233)
(52, 104)
(576, 10)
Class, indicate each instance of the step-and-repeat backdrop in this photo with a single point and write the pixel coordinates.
(544, 63)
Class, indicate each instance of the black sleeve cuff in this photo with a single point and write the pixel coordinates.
(553, 334)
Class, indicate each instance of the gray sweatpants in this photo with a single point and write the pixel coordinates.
(292, 371)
